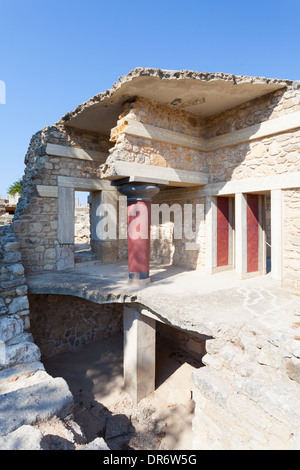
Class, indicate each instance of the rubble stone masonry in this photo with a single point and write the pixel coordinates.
(16, 341)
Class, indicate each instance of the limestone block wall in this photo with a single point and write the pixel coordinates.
(291, 239)
(16, 342)
(62, 323)
(35, 221)
(275, 154)
(82, 224)
(191, 248)
(247, 395)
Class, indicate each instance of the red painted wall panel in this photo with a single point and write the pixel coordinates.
(252, 233)
(222, 231)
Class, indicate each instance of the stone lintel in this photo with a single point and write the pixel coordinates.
(152, 173)
(84, 184)
(73, 152)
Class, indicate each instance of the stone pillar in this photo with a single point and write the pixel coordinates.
(276, 234)
(104, 209)
(139, 221)
(65, 228)
(139, 354)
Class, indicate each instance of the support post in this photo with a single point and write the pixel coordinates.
(139, 221)
(65, 228)
(104, 209)
(139, 354)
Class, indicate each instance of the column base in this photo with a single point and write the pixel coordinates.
(140, 279)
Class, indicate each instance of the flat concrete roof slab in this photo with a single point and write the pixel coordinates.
(200, 93)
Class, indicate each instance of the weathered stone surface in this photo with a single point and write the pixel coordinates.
(116, 425)
(18, 304)
(38, 402)
(293, 370)
(9, 327)
(212, 386)
(19, 353)
(97, 444)
(25, 438)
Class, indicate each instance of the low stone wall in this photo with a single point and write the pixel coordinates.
(61, 323)
(16, 342)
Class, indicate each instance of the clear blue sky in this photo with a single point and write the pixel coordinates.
(57, 54)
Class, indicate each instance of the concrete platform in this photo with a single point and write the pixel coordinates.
(191, 300)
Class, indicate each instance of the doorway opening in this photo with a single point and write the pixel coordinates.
(82, 230)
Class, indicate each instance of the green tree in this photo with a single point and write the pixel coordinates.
(15, 188)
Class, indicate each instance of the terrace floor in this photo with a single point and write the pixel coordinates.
(188, 299)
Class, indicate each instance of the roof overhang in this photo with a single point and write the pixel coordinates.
(203, 94)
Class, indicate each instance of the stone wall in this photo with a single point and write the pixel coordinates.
(291, 239)
(247, 396)
(63, 323)
(16, 342)
(82, 224)
(149, 152)
(35, 221)
(190, 249)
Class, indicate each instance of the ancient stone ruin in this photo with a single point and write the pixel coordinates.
(194, 233)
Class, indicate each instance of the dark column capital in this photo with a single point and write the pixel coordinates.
(139, 192)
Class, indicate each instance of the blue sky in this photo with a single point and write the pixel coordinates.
(57, 54)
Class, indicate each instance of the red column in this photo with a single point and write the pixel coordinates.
(139, 223)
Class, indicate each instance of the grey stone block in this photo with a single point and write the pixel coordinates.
(9, 327)
(29, 405)
(97, 444)
(24, 438)
(18, 354)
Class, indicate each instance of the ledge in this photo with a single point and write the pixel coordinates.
(156, 174)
